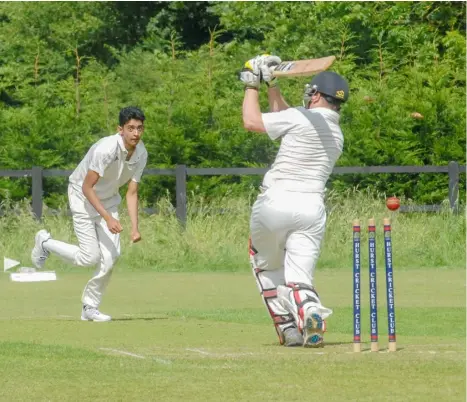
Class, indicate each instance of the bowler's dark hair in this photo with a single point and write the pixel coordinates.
(128, 113)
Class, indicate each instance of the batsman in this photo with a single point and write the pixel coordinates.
(288, 218)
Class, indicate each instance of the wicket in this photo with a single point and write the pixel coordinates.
(373, 281)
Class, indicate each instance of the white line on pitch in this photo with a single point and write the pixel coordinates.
(201, 351)
(163, 361)
(35, 317)
(122, 352)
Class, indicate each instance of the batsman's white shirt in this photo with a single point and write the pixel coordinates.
(107, 157)
(308, 152)
(288, 218)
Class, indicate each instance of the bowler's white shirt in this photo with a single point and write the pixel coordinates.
(107, 157)
(307, 153)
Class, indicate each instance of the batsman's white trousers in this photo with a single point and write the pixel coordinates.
(286, 230)
(97, 246)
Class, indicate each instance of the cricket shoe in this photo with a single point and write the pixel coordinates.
(38, 253)
(314, 328)
(292, 337)
(93, 314)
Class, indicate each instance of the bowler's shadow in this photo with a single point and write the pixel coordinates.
(140, 318)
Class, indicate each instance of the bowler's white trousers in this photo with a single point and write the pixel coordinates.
(97, 246)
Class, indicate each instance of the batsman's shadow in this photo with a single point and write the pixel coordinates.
(325, 344)
(337, 343)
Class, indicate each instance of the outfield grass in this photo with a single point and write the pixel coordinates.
(207, 337)
(190, 325)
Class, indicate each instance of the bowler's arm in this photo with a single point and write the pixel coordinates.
(89, 182)
(132, 205)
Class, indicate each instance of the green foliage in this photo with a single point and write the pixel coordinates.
(67, 69)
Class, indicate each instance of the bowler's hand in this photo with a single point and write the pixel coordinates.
(135, 236)
(113, 225)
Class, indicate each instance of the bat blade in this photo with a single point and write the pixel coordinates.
(303, 68)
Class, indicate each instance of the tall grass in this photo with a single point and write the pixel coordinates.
(216, 235)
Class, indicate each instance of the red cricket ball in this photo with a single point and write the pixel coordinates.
(393, 203)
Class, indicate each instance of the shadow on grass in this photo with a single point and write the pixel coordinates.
(325, 344)
(337, 343)
(140, 318)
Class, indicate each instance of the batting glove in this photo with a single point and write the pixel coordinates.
(267, 68)
(251, 74)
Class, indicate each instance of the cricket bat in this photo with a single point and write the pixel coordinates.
(303, 68)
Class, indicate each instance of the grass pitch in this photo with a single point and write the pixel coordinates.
(207, 337)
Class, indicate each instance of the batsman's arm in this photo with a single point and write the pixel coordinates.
(276, 101)
(252, 118)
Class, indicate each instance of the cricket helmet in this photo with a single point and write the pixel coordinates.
(329, 84)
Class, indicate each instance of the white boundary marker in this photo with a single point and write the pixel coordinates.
(33, 276)
(8, 263)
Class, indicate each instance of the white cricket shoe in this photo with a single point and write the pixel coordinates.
(314, 328)
(93, 314)
(38, 253)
